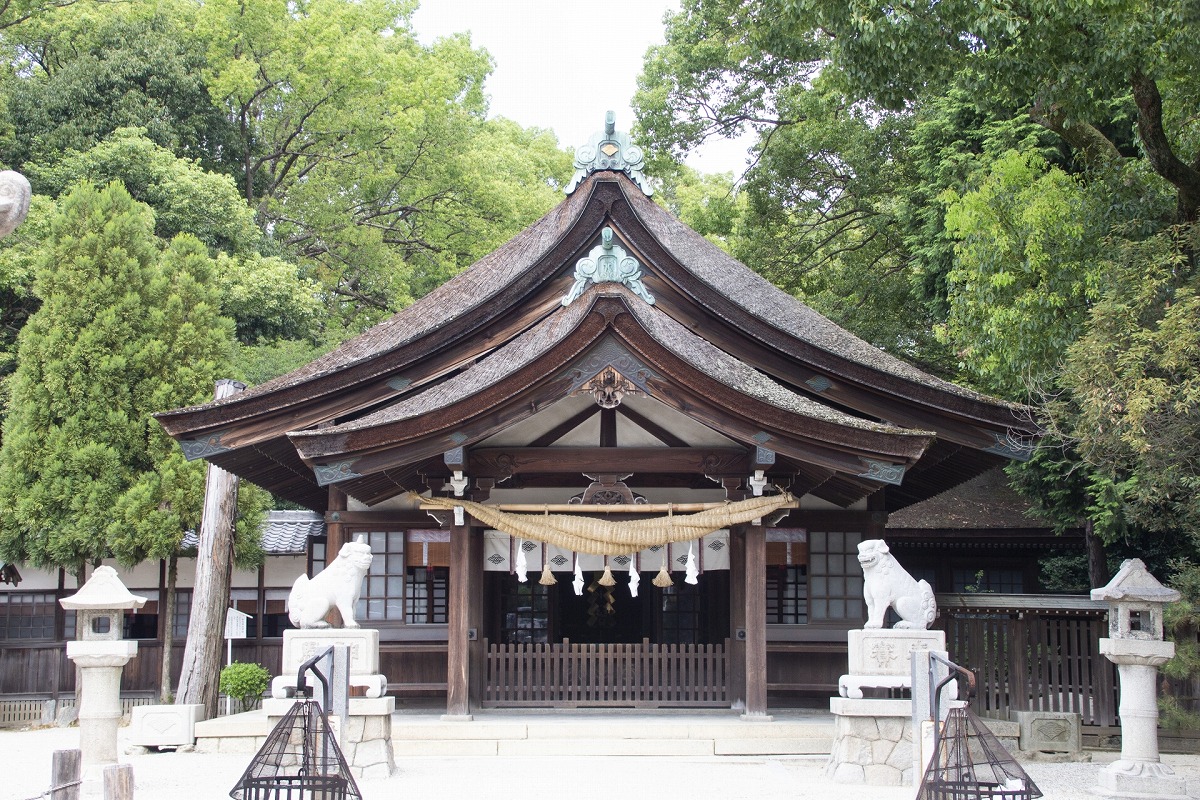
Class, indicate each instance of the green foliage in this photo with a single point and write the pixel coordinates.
(244, 681)
(1181, 624)
(1023, 277)
(123, 330)
(185, 197)
(93, 68)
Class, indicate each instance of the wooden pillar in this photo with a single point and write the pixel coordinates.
(202, 655)
(755, 571)
(335, 529)
(475, 651)
(458, 661)
(737, 618)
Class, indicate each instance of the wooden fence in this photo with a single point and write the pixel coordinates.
(1034, 659)
(644, 675)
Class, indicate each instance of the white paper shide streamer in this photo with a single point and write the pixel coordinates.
(522, 567)
(634, 578)
(691, 574)
(578, 582)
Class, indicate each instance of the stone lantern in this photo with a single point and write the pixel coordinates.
(1135, 644)
(100, 653)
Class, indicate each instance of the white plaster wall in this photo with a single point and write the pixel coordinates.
(35, 580)
(282, 571)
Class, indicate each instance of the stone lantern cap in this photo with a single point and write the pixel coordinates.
(102, 591)
(1133, 583)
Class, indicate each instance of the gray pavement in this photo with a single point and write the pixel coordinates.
(26, 757)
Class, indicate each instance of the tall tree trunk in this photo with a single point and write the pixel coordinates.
(168, 637)
(80, 579)
(200, 675)
(1096, 558)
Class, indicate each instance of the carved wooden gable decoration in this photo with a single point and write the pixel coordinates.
(607, 339)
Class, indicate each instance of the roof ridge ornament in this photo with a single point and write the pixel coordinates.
(610, 149)
(608, 263)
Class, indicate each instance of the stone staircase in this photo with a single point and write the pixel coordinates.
(615, 732)
(612, 733)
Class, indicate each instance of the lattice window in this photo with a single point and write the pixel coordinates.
(524, 612)
(427, 577)
(994, 581)
(183, 614)
(142, 623)
(27, 615)
(275, 619)
(787, 594)
(681, 615)
(383, 588)
(427, 595)
(787, 576)
(835, 577)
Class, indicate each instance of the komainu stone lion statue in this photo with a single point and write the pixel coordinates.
(886, 583)
(337, 586)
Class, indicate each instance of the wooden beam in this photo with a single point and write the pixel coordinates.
(651, 427)
(458, 658)
(566, 426)
(608, 427)
(756, 620)
(736, 690)
(626, 508)
(504, 462)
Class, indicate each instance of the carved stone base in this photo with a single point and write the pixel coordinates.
(872, 742)
(880, 658)
(299, 645)
(1139, 780)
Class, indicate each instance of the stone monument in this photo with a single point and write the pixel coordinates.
(14, 201)
(1135, 644)
(366, 737)
(873, 736)
(100, 653)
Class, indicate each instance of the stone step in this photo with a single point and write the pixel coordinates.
(569, 734)
(611, 747)
(617, 735)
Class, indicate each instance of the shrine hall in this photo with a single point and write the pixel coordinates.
(607, 465)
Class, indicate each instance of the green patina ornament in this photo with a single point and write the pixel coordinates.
(608, 263)
(610, 149)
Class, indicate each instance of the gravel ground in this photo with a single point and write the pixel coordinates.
(26, 756)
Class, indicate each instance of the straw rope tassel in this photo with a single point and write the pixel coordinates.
(663, 579)
(547, 578)
(607, 578)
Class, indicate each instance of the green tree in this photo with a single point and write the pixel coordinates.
(81, 73)
(185, 197)
(121, 332)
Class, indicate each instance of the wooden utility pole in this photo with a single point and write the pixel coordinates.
(201, 671)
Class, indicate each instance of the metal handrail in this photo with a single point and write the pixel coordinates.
(935, 696)
(311, 664)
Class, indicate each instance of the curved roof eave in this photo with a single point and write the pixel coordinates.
(473, 287)
(768, 304)
(371, 432)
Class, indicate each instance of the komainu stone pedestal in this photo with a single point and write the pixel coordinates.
(880, 658)
(366, 738)
(872, 742)
(299, 645)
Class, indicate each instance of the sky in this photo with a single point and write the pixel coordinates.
(561, 64)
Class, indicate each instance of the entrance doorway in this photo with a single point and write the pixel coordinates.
(529, 613)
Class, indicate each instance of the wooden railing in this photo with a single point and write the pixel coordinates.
(1031, 658)
(644, 675)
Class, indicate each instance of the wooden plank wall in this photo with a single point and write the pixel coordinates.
(1030, 662)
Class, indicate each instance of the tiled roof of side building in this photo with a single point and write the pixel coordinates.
(284, 533)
